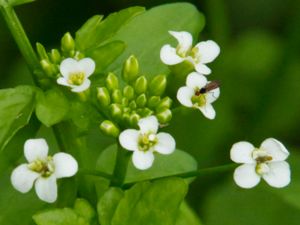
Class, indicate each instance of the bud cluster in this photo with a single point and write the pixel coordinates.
(137, 98)
(50, 61)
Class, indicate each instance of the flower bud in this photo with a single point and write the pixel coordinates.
(67, 43)
(125, 101)
(109, 128)
(128, 92)
(117, 96)
(164, 116)
(132, 105)
(41, 51)
(55, 56)
(140, 85)
(116, 110)
(145, 112)
(130, 69)
(126, 117)
(112, 82)
(158, 85)
(103, 96)
(134, 119)
(49, 68)
(141, 100)
(153, 101)
(166, 102)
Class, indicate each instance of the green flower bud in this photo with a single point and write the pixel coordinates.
(67, 43)
(41, 51)
(130, 69)
(134, 119)
(109, 128)
(55, 56)
(164, 116)
(166, 102)
(116, 110)
(103, 96)
(117, 96)
(145, 112)
(140, 85)
(158, 85)
(127, 110)
(49, 68)
(126, 117)
(128, 92)
(112, 82)
(141, 100)
(125, 101)
(132, 105)
(153, 101)
(78, 55)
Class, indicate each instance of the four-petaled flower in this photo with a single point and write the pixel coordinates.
(204, 52)
(75, 73)
(43, 170)
(146, 141)
(265, 162)
(195, 94)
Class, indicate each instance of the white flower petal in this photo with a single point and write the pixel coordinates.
(166, 143)
(279, 175)
(87, 65)
(142, 160)
(169, 56)
(35, 149)
(241, 152)
(275, 149)
(129, 139)
(208, 50)
(46, 188)
(22, 178)
(184, 96)
(63, 81)
(212, 95)
(148, 124)
(208, 111)
(185, 39)
(245, 176)
(84, 86)
(195, 80)
(68, 66)
(203, 69)
(65, 165)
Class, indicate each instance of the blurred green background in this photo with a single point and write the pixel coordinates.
(259, 68)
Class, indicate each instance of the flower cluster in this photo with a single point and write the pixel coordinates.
(198, 92)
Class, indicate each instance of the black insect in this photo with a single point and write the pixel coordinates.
(209, 87)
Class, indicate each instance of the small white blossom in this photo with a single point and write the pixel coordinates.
(42, 170)
(196, 94)
(146, 141)
(75, 73)
(267, 162)
(202, 53)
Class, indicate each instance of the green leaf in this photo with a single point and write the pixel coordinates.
(107, 205)
(64, 216)
(51, 107)
(106, 54)
(145, 34)
(16, 106)
(19, 2)
(151, 203)
(94, 32)
(187, 216)
(163, 165)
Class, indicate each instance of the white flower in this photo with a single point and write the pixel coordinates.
(199, 93)
(267, 162)
(146, 141)
(42, 170)
(204, 52)
(75, 73)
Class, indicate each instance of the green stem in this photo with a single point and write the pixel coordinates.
(20, 37)
(120, 167)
